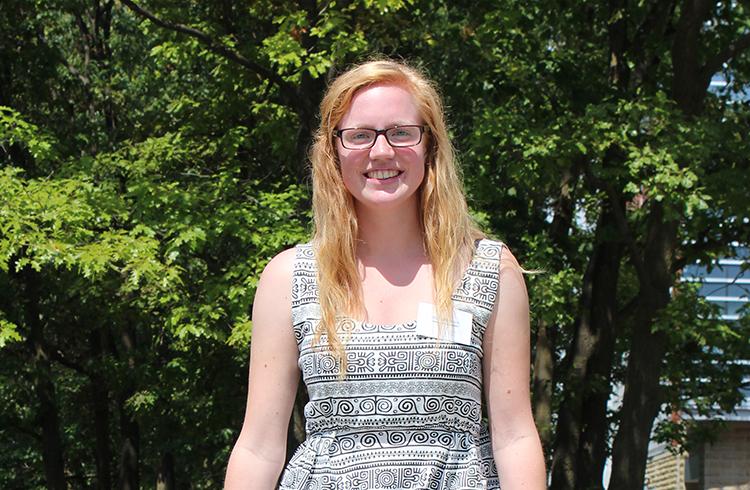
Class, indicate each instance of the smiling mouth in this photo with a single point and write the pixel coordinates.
(382, 174)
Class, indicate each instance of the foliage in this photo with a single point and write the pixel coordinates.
(150, 169)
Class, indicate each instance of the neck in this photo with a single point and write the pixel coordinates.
(384, 233)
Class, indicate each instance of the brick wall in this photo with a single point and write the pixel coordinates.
(665, 471)
(727, 461)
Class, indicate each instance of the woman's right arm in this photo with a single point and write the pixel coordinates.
(260, 451)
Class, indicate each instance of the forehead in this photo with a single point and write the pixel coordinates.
(380, 105)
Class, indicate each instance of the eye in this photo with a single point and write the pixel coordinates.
(403, 134)
(359, 135)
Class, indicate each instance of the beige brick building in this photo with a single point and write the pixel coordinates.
(725, 463)
(721, 465)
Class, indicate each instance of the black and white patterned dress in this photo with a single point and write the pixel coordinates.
(408, 414)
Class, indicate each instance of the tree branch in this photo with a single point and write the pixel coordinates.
(629, 309)
(622, 225)
(689, 82)
(18, 424)
(715, 63)
(56, 354)
(287, 90)
(563, 207)
(619, 71)
(655, 25)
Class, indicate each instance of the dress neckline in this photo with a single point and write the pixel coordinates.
(414, 321)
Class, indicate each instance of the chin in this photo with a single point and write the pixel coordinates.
(387, 202)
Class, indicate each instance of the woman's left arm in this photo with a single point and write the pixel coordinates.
(515, 441)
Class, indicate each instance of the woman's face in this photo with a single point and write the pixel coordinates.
(382, 176)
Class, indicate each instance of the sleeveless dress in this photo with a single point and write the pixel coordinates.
(409, 412)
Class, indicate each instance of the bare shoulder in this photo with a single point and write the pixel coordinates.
(512, 294)
(280, 266)
(509, 265)
(508, 260)
(273, 297)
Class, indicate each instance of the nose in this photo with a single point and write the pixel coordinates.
(381, 148)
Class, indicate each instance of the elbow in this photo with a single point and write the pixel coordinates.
(252, 466)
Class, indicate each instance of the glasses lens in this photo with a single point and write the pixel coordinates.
(404, 135)
(357, 138)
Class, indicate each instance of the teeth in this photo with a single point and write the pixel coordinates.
(382, 174)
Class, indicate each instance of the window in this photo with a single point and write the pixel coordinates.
(694, 469)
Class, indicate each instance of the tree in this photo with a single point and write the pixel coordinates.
(154, 159)
(611, 147)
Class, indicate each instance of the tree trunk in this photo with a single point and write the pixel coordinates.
(690, 81)
(48, 419)
(47, 413)
(642, 396)
(588, 355)
(544, 348)
(165, 475)
(640, 407)
(592, 447)
(100, 409)
(129, 431)
(129, 449)
(542, 385)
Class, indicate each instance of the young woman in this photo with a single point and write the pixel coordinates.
(401, 316)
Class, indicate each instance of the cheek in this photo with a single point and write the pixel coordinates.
(350, 177)
(347, 176)
(345, 157)
(423, 163)
(422, 175)
(343, 163)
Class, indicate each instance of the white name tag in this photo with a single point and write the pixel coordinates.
(459, 331)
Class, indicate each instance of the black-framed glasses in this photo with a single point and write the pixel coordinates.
(364, 138)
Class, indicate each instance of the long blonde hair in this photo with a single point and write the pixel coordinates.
(447, 228)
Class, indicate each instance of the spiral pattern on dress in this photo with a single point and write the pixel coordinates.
(384, 405)
(408, 411)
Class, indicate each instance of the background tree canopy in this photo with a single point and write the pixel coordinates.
(153, 159)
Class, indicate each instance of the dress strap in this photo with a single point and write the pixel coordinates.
(477, 290)
(305, 304)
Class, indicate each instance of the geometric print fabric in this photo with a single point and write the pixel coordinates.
(408, 413)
